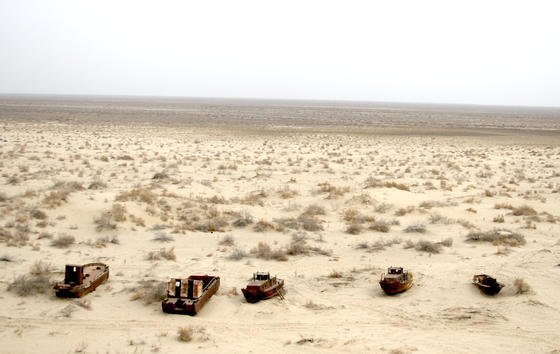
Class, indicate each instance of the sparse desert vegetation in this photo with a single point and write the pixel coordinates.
(326, 209)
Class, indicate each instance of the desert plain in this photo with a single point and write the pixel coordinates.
(326, 196)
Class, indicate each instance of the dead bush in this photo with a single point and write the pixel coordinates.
(403, 211)
(262, 226)
(228, 240)
(381, 226)
(335, 274)
(314, 210)
(162, 237)
(185, 334)
(190, 333)
(376, 183)
(63, 241)
(148, 291)
(104, 222)
(264, 251)
(286, 192)
(520, 286)
(139, 194)
(237, 254)
(497, 237)
(503, 206)
(436, 218)
(427, 246)
(416, 227)
(499, 219)
(354, 229)
(333, 191)
(243, 219)
(524, 210)
(162, 253)
(38, 214)
(38, 281)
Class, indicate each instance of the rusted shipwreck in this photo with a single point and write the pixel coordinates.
(80, 280)
(396, 280)
(487, 284)
(263, 287)
(188, 295)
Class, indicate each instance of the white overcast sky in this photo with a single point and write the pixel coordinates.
(483, 52)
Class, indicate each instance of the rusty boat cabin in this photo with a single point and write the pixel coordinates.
(187, 296)
(262, 287)
(80, 280)
(396, 280)
(487, 284)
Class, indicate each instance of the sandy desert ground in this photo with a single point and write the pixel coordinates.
(327, 208)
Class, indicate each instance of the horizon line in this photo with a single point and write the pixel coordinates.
(315, 100)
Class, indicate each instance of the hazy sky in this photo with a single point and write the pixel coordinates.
(485, 52)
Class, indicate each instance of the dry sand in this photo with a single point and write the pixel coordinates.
(115, 187)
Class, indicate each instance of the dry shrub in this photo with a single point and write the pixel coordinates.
(118, 212)
(60, 192)
(299, 246)
(287, 193)
(524, 210)
(262, 226)
(427, 246)
(333, 191)
(354, 216)
(104, 222)
(403, 211)
(97, 184)
(38, 281)
(163, 237)
(237, 254)
(148, 291)
(354, 229)
(228, 240)
(185, 334)
(436, 218)
(162, 253)
(416, 227)
(6, 258)
(190, 333)
(499, 219)
(497, 237)
(381, 226)
(382, 208)
(103, 241)
(448, 242)
(520, 286)
(56, 198)
(160, 176)
(264, 251)
(503, 206)
(63, 241)
(314, 210)
(139, 194)
(255, 198)
(308, 223)
(372, 182)
(466, 224)
(243, 219)
(335, 274)
(38, 214)
(408, 244)
(215, 224)
(380, 245)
